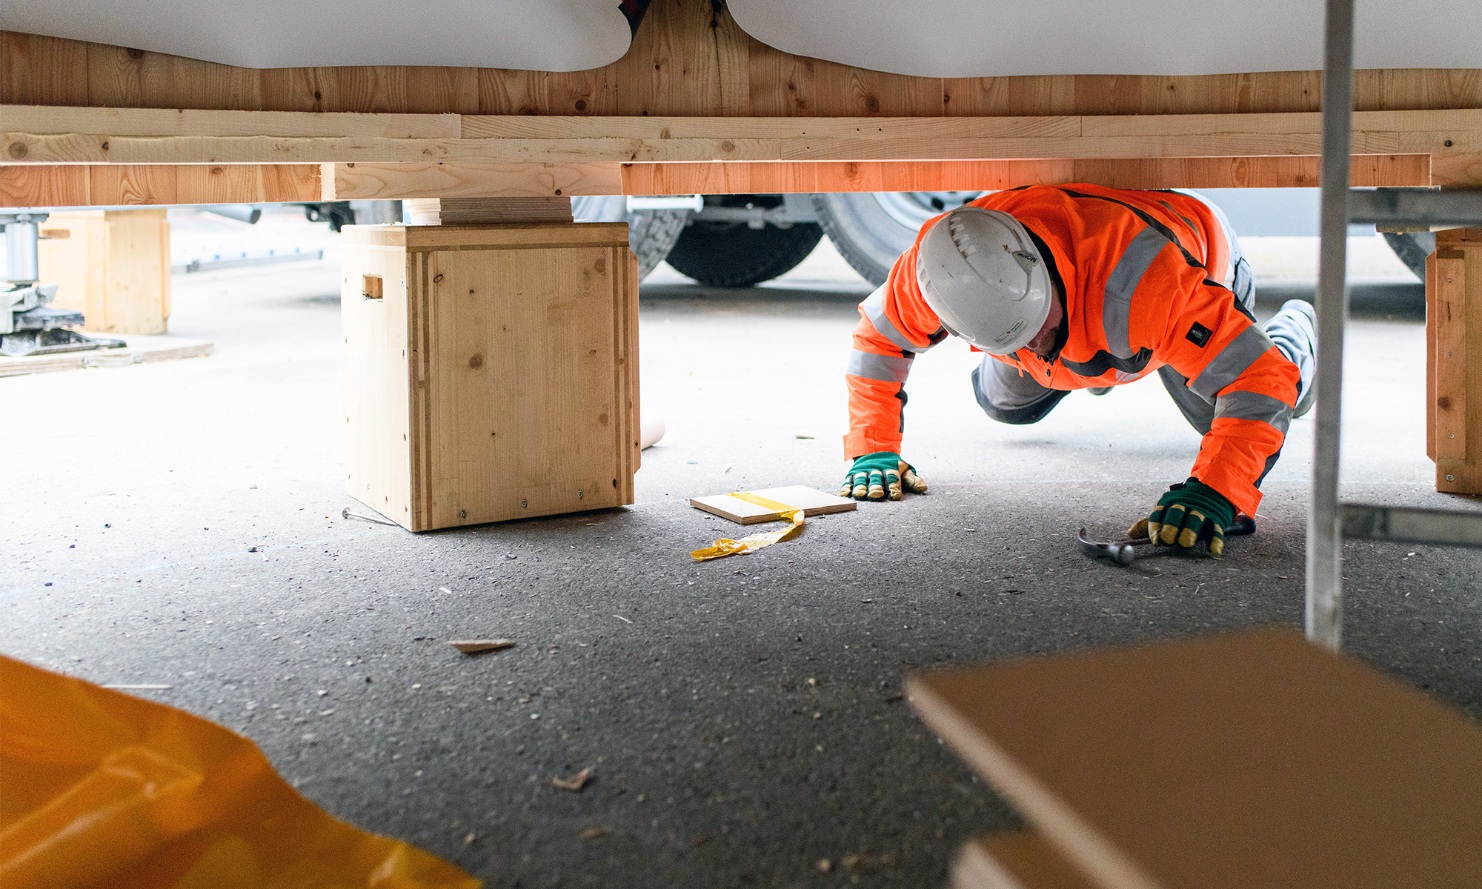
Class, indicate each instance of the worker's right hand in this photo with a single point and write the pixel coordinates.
(880, 475)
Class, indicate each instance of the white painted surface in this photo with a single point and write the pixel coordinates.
(538, 35)
(989, 38)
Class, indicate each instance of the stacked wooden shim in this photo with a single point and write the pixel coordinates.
(486, 211)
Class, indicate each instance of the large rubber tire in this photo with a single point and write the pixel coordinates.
(732, 254)
(872, 229)
(651, 233)
(1412, 248)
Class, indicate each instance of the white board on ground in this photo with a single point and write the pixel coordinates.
(811, 502)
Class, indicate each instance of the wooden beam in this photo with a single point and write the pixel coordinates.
(1213, 172)
(31, 137)
(159, 184)
(688, 58)
(1453, 291)
(467, 179)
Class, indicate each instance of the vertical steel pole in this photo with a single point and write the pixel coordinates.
(1324, 532)
(21, 254)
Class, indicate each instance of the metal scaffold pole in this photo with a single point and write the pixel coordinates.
(1324, 534)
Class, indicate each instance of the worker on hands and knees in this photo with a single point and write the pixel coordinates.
(1085, 287)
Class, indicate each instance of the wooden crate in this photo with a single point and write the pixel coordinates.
(112, 265)
(491, 372)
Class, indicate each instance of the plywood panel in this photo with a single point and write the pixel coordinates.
(378, 378)
(1018, 860)
(138, 264)
(1253, 760)
(524, 426)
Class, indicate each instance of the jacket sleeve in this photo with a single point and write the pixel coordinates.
(895, 323)
(1230, 362)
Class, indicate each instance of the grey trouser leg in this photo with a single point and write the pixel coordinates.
(1241, 282)
(1009, 396)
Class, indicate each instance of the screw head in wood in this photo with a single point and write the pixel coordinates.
(578, 495)
(462, 513)
(524, 504)
(1450, 477)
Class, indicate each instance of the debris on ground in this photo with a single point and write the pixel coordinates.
(824, 866)
(594, 833)
(577, 782)
(480, 646)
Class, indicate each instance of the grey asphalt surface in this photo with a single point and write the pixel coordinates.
(179, 523)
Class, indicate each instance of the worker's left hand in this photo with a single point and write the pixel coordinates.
(1190, 513)
(881, 476)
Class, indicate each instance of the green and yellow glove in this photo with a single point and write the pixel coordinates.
(880, 475)
(1190, 513)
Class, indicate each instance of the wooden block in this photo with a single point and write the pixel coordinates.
(1252, 759)
(729, 506)
(1454, 370)
(496, 375)
(1018, 860)
(472, 179)
(486, 211)
(113, 266)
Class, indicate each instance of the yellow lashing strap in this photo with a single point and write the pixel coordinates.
(751, 543)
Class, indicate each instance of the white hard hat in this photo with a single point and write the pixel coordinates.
(985, 279)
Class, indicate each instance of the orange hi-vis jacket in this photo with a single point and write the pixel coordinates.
(1139, 271)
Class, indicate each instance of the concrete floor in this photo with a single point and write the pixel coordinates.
(179, 523)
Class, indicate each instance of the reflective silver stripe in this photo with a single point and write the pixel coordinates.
(874, 309)
(1238, 405)
(886, 368)
(1231, 362)
(1116, 308)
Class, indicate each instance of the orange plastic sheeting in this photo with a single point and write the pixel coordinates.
(101, 789)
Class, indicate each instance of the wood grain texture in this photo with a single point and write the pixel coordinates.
(1252, 759)
(112, 266)
(468, 179)
(159, 137)
(827, 176)
(686, 59)
(113, 185)
(503, 383)
(1454, 362)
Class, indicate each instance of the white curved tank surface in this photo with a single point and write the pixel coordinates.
(971, 38)
(536, 35)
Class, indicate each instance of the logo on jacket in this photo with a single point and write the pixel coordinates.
(1199, 334)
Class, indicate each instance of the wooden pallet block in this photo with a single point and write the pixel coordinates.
(113, 266)
(811, 502)
(1250, 760)
(491, 371)
(1453, 296)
